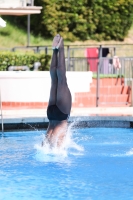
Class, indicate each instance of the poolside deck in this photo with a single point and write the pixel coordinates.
(91, 117)
(75, 112)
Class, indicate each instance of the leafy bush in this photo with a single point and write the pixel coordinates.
(64, 17)
(111, 19)
(82, 19)
(15, 59)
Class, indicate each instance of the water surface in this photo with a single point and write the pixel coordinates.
(95, 164)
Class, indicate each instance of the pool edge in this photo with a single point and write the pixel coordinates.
(32, 123)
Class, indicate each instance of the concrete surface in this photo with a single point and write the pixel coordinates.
(82, 117)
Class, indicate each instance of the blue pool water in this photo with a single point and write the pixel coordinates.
(95, 164)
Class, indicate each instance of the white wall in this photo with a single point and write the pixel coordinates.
(13, 3)
(35, 86)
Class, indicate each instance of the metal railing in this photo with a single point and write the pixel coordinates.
(106, 66)
(120, 50)
(77, 64)
(125, 69)
(76, 54)
(122, 70)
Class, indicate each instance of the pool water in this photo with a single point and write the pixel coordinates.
(95, 164)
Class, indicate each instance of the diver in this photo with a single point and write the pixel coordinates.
(60, 101)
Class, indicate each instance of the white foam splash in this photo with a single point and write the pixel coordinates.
(46, 153)
(128, 153)
(111, 143)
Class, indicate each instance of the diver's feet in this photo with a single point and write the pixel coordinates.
(60, 44)
(56, 41)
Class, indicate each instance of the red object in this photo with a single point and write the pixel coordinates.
(92, 58)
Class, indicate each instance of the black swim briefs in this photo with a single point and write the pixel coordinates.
(54, 113)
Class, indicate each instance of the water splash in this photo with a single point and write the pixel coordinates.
(46, 153)
(127, 154)
(130, 152)
(32, 127)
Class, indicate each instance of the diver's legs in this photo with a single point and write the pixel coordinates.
(63, 93)
(53, 74)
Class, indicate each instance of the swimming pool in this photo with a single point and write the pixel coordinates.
(97, 163)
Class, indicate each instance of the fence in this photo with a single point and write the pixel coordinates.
(121, 50)
(76, 56)
(102, 63)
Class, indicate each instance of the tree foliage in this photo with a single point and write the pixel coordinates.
(84, 19)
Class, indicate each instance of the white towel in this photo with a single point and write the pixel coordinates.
(2, 23)
(116, 62)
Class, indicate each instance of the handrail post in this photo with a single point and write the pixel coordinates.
(68, 58)
(46, 50)
(132, 93)
(1, 113)
(28, 30)
(98, 71)
(114, 51)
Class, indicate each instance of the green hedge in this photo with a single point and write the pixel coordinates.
(108, 76)
(112, 19)
(15, 59)
(82, 19)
